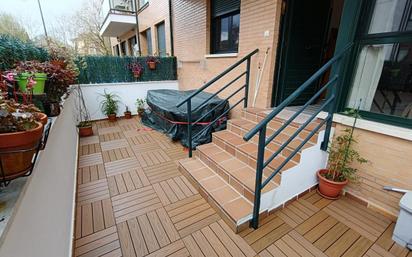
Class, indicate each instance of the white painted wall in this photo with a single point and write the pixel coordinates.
(127, 92)
(43, 222)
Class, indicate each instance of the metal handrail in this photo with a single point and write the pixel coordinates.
(261, 128)
(210, 82)
(295, 94)
(188, 99)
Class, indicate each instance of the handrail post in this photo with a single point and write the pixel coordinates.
(189, 126)
(247, 82)
(258, 183)
(332, 106)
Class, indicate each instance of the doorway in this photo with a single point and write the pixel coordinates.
(307, 40)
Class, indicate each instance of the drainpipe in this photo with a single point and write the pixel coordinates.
(137, 28)
(171, 29)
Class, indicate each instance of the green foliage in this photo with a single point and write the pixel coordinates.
(13, 50)
(111, 69)
(342, 155)
(110, 103)
(140, 103)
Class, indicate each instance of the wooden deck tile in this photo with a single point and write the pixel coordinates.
(90, 160)
(90, 173)
(102, 243)
(111, 136)
(89, 149)
(127, 181)
(92, 191)
(110, 145)
(135, 203)
(117, 154)
(191, 214)
(89, 140)
(120, 166)
(161, 172)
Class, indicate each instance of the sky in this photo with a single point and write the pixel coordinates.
(27, 12)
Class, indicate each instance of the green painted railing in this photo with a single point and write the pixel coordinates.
(328, 105)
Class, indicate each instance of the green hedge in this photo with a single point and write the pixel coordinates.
(13, 50)
(112, 69)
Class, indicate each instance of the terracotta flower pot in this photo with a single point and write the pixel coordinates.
(112, 117)
(328, 188)
(41, 117)
(18, 164)
(86, 131)
(152, 65)
(136, 75)
(127, 115)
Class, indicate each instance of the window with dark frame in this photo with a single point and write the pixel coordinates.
(132, 43)
(382, 74)
(116, 50)
(225, 24)
(123, 48)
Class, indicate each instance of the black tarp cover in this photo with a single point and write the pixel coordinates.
(164, 116)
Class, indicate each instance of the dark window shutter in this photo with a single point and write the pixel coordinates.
(221, 7)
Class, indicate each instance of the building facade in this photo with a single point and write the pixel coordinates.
(295, 38)
(153, 36)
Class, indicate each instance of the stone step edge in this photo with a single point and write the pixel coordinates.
(234, 149)
(233, 181)
(236, 226)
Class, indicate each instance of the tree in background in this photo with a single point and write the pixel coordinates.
(9, 25)
(87, 22)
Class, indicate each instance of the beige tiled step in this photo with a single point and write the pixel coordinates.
(247, 151)
(232, 170)
(232, 206)
(255, 115)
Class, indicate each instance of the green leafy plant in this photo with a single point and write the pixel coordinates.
(342, 154)
(110, 103)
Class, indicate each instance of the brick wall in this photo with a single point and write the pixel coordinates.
(389, 165)
(192, 40)
(156, 12)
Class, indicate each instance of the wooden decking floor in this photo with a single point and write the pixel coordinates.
(133, 201)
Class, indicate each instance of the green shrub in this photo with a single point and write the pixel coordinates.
(112, 69)
(13, 50)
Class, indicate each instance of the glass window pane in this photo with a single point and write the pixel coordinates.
(235, 30)
(391, 16)
(383, 80)
(224, 34)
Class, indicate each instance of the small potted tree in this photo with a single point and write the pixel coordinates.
(110, 105)
(84, 123)
(136, 68)
(140, 106)
(152, 61)
(127, 113)
(342, 155)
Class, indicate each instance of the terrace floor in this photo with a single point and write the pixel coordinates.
(133, 201)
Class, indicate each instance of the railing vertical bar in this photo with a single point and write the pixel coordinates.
(189, 126)
(247, 82)
(331, 109)
(258, 183)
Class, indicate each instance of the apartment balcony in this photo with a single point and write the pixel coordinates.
(120, 17)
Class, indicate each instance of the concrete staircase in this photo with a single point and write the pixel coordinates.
(224, 170)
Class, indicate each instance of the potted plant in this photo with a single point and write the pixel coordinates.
(20, 135)
(110, 105)
(127, 113)
(140, 106)
(31, 76)
(152, 61)
(84, 123)
(136, 68)
(339, 171)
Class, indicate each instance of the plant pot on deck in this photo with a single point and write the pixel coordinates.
(112, 117)
(42, 118)
(127, 115)
(24, 143)
(328, 188)
(52, 109)
(86, 131)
